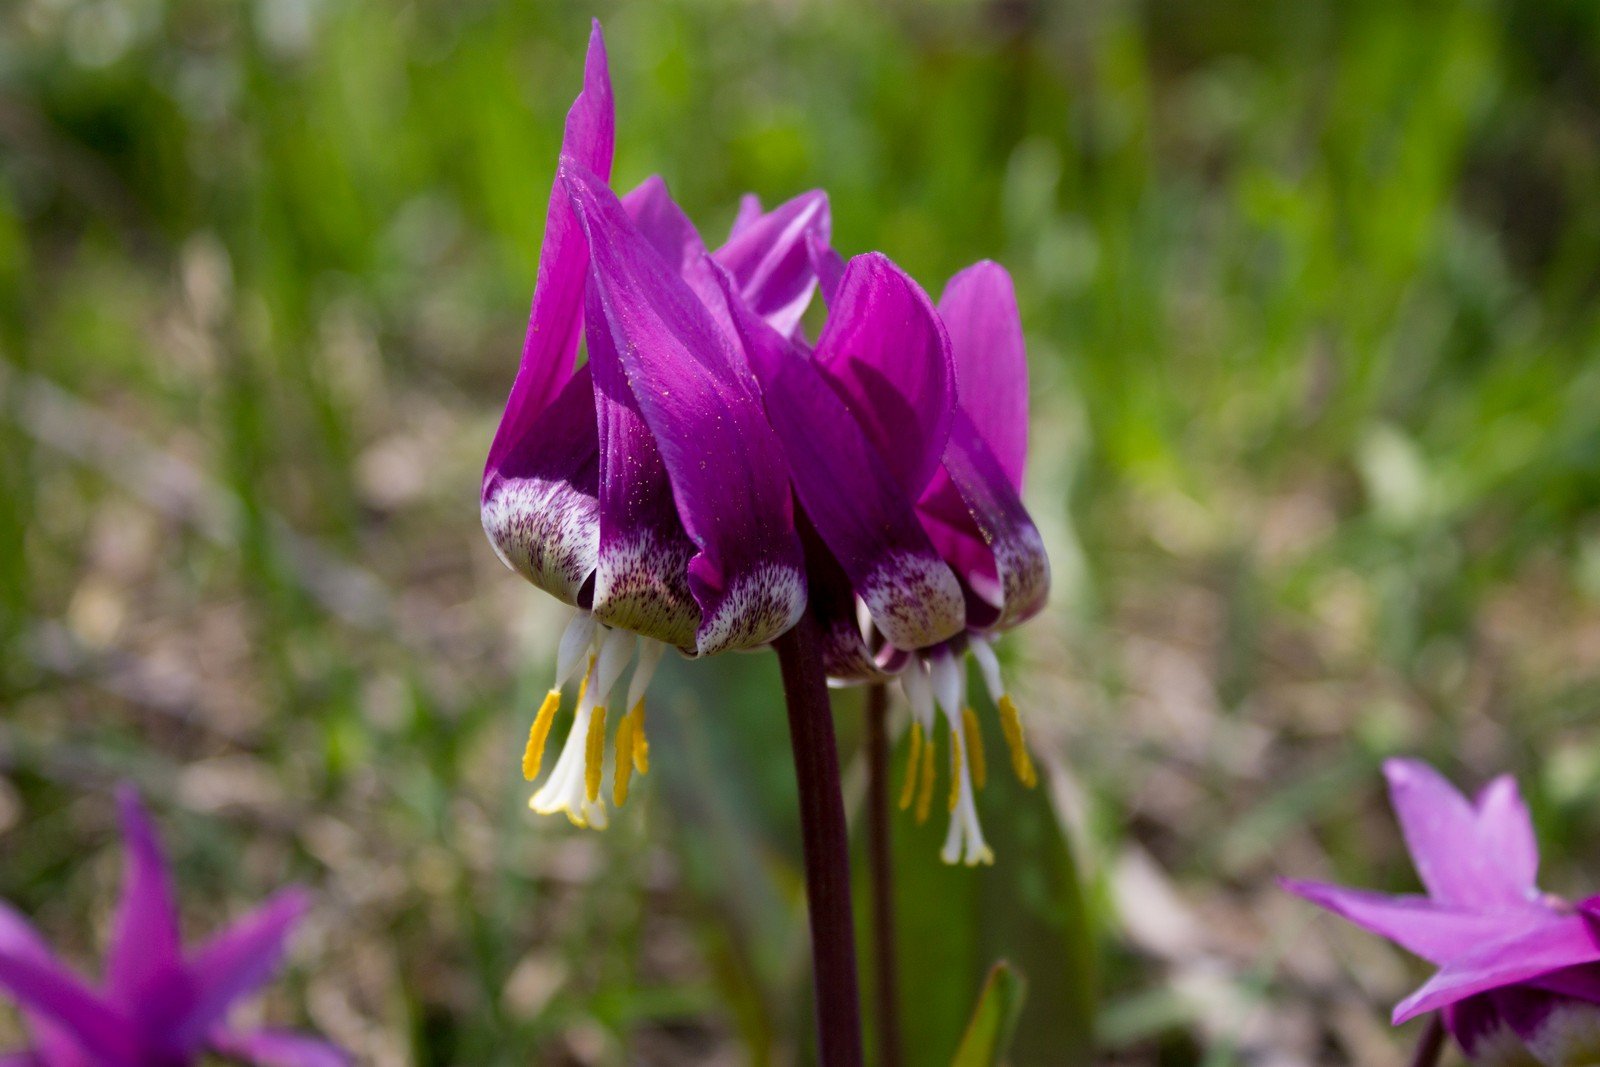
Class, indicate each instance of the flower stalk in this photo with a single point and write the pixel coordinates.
(886, 988)
(1431, 1044)
(826, 843)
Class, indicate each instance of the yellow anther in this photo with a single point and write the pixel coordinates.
(624, 758)
(909, 791)
(539, 733)
(1011, 724)
(980, 766)
(641, 743)
(925, 791)
(594, 755)
(955, 770)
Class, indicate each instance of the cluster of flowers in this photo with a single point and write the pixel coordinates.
(708, 475)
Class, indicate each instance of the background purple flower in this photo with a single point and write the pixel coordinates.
(158, 1005)
(1517, 968)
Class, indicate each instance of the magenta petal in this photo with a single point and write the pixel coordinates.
(769, 260)
(885, 352)
(1442, 831)
(642, 577)
(847, 493)
(828, 265)
(749, 211)
(146, 949)
(540, 508)
(846, 657)
(979, 308)
(55, 1045)
(1436, 932)
(1565, 941)
(555, 318)
(985, 533)
(701, 405)
(241, 959)
(670, 232)
(279, 1048)
(1506, 831)
(47, 992)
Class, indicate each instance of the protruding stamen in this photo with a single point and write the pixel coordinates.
(594, 755)
(980, 766)
(925, 788)
(645, 669)
(539, 734)
(1011, 724)
(574, 785)
(919, 693)
(988, 667)
(624, 761)
(908, 791)
(641, 743)
(955, 773)
(963, 842)
(577, 639)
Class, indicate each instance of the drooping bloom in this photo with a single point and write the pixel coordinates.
(157, 1005)
(1518, 976)
(905, 432)
(644, 488)
(651, 488)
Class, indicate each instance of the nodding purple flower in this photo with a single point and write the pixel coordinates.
(158, 1006)
(1518, 976)
(645, 488)
(905, 432)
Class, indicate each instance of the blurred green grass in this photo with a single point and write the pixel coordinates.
(1310, 294)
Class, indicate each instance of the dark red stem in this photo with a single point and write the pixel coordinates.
(1432, 1043)
(827, 846)
(886, 992)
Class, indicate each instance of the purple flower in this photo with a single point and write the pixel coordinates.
(158, 1006)
(1518, 970)
(652, 488)
(645, 488)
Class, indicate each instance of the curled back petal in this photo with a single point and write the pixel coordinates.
(984, 531)
(45, 990)
(885, 353)
(827, 265)
(54, 1045)
(749, 211)
(849, 495)
(1565, 941)
(555, 318)
(278, 1048)
(1441, 829)
(1436, 932)
(769, 260)
(642, 573)
(663, 223)
(146, 946)
(541, 508)
(979, 309)
(701, 405)
(1506, 830)
(240, 960)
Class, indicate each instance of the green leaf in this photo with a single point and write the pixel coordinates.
(994, 1019)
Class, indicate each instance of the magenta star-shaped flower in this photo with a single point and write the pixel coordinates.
(1518, 969)
(158, 1006)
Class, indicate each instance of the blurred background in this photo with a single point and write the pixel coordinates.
(1310, 294)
